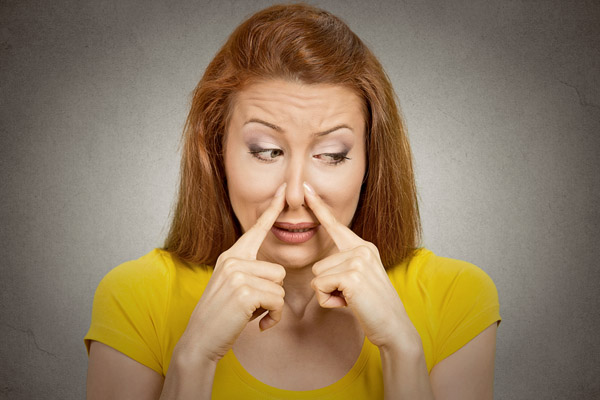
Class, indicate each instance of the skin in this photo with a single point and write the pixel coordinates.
(294, 155)
(283, 132)
(334, 280)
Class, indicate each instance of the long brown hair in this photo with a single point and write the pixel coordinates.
(310, 45)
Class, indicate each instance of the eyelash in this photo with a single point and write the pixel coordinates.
(340, 158)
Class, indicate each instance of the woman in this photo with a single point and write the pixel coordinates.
(292, 268)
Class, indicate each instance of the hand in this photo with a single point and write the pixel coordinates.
(355, 277)
(240, 289)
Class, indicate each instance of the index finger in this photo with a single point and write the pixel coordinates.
(342, 236)
(248, 244)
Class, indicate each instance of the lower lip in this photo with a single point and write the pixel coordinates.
(293, 237)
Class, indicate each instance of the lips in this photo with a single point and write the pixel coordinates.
(294, 233)
(289, 226)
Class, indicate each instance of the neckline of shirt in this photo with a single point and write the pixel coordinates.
(232, 362)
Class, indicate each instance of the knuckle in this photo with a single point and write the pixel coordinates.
(243, 293)
(315, 268)
(279, 303)
(221, 259)
(237, 278)
(364, 251)
(355, 276)
(281, 274)
(372, 246)
(281, 292)
(229, 263)
(356, 264)
(226, 253)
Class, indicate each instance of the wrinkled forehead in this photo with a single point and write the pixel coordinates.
(314, 106)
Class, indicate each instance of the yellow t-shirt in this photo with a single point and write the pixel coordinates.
(142, 307)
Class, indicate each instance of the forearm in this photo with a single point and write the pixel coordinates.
(189, 377)
(405, 374)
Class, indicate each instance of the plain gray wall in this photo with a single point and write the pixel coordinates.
(502, 104)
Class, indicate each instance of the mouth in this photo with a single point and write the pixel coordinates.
(295, 227)
(294, 233)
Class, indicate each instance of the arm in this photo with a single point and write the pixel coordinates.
(405, 373)
(113, 375)
(466, 374)
(358, 274)
(469, 372)
(189, 376)
(240, 289)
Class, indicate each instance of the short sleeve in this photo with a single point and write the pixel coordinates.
(466, 301)
(128, 310)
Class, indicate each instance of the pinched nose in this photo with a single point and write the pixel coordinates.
(294, 191)
(294, 195)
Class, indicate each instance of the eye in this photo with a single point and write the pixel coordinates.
(265, 155)
(333, 158)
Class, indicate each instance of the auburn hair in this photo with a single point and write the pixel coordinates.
(305, 44)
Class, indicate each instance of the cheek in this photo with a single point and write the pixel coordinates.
(340, 192)
(249, 189)
(342, 201)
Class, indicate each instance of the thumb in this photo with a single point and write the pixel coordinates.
(268, 321)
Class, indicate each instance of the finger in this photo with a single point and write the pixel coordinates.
(334, 290)
(261, 269)
(342, 236)
(324, 265)
(240, 279)
(248, 244)
(364, 254)
(253, 300)
(274, 315)
(270, 320)
(257, 313)
(343, 266)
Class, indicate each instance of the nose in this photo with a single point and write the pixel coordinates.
(294, 192)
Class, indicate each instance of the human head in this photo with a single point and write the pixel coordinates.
(282, 131)
(298, 43)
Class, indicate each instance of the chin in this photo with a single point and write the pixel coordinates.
(293, 256)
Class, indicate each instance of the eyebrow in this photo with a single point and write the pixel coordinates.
(280, 129)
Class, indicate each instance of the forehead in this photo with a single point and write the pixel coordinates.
(286, 103)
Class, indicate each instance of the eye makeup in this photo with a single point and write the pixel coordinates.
(335, 158)
(331, 150)
(264, 154)
(271, 154)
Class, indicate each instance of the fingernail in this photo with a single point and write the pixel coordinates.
(279, 191)
(309, 189)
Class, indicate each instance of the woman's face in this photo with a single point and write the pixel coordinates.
(281, 131)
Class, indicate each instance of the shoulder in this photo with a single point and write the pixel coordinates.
(450, 301)
(134, 287)
(132, 303)
(445, 287)
(152, 268)
(156, 269)
(128, 309)
(441, 273)
(464, 281)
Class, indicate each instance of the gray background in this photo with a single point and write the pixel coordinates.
(501, 100)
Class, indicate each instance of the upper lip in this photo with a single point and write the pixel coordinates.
(301, 225)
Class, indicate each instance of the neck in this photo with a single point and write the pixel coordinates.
(299, 295)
